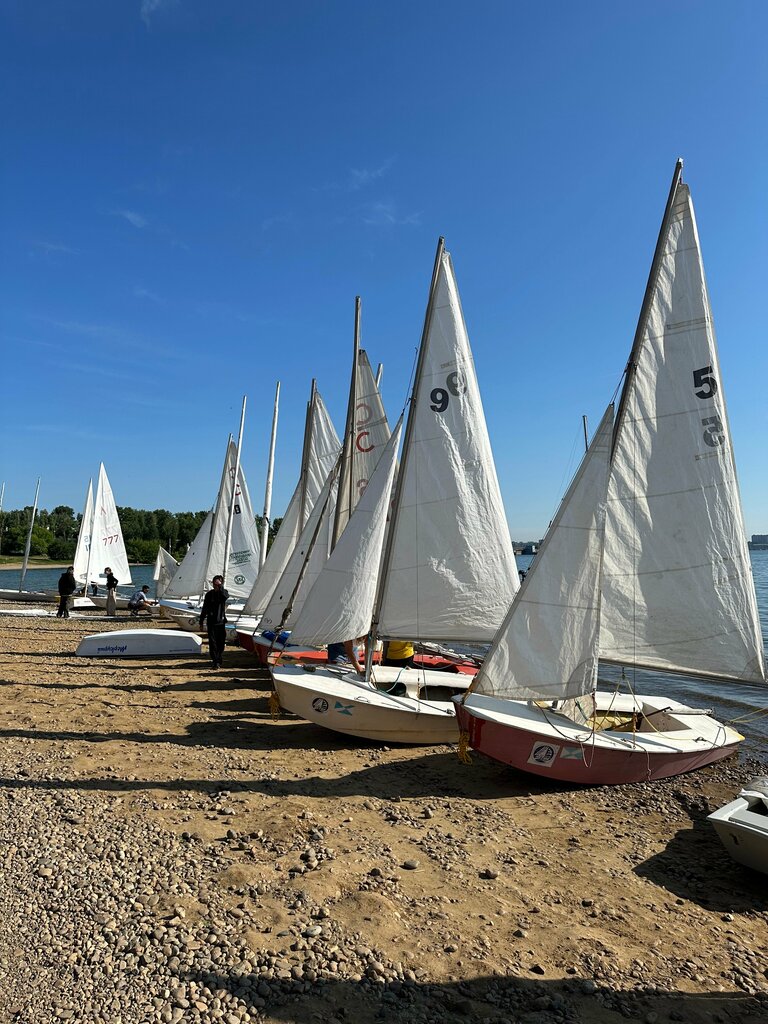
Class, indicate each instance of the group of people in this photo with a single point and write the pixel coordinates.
(68, 585)
(213, 619)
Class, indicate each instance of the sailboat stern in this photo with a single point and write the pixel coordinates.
(634, 738)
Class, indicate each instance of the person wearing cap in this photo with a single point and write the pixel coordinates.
(111, 591)
(67, 587)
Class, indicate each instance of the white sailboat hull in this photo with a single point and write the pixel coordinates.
(139, 643)
(742, 826)
(338, 699)
(27, 596)
(671, 738)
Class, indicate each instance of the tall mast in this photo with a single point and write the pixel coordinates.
(25, 563)
(661, 242)
(268, 487)
(379, 372)
(2, 495)
(394, 515)
(348, 448)
(586, 435)
(306, 451)
(233, 500)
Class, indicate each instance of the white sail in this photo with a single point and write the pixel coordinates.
(547, 646)
(80, 563)
(363, 448)
(243, 563)
(340, 604)
(164, 571)
(107, 546)
(323, 447)
(313, 548)
(678, 592)
(190, 578)
(451, 572)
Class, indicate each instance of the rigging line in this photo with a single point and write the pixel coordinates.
(750, 716)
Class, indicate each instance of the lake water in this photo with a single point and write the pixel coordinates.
(729, 701)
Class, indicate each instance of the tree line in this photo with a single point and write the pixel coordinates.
(54, 534)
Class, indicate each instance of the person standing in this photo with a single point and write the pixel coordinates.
(399, 654)
(67, 587)
(111, 591)
(213, 617)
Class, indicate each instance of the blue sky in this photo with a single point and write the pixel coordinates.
(194, 193)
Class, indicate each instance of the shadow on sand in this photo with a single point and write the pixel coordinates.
(491, 999)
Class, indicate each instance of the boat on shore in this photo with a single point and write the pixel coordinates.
(742, 825)
(645, 565)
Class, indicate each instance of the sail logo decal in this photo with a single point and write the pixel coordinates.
(543, 754)
(320, 705)
(239, 580)
(343, 709)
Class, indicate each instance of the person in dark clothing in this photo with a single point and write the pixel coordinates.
(67, 587)
(213, 617)
(111, 591)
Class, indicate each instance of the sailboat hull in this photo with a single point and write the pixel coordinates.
(672, 739)
(338, 700)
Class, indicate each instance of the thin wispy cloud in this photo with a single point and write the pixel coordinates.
(279, 220)
(360, 177)
(132, 217)
(52, 248)
(126, 344)
(140, 292)
(386, 214)
(150, 8)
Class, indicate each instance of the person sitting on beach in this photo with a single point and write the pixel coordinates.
(399, 653)
(140, 602)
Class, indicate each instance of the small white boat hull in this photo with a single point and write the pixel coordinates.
(140, 643)
(743, 826)
(28, 596)
(418, 709)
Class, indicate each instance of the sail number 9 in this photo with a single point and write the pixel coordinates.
(706, 387)
(455, 384)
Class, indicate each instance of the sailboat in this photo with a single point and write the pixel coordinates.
(164, 570)
(320, 453)
(227, 543)
(27, 596)
(448, 570)
(100, 543)
(645, 565)
(365, 435)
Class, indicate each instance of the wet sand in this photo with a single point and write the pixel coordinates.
(355, 882)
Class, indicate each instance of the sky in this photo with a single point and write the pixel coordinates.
(193, 194)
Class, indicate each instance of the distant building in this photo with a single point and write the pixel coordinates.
(759, 542)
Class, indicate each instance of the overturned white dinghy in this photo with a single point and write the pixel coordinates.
(140, 643)
(743, 825)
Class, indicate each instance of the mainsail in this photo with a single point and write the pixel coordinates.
(678, 593)
(450, 571)
(80, 563)
(547, 645)
(164, 571)
(340, 604)
(321, 450)
(107, 547)
(205, 558)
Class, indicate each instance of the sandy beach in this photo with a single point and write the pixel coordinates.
(171, 853)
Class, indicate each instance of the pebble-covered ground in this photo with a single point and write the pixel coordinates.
(169, 853)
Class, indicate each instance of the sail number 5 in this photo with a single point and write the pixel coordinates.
(706, 387)
(455, 384)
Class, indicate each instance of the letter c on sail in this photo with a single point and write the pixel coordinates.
(358, 440)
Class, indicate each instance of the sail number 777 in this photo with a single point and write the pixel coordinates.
(705, 387)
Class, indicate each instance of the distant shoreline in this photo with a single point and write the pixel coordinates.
(50, 565)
